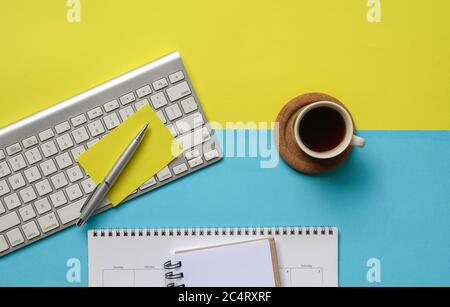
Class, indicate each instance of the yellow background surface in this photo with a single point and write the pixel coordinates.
(247, 58)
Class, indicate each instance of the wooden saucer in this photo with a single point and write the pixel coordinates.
(287, 146)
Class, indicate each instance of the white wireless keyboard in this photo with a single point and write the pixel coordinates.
(42, 188)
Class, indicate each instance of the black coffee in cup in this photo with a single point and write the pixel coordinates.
(322, 129)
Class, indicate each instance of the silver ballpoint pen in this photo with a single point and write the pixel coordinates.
(103, 188)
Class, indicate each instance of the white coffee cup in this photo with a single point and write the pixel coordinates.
(349, 138)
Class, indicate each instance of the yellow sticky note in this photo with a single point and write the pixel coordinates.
(157, 150)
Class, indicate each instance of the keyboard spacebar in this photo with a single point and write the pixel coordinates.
(72, 211)
(9, 220)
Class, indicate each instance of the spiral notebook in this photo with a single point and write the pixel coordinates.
(307, 256)
(238, 265)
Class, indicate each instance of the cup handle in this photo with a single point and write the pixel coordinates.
(358, 141)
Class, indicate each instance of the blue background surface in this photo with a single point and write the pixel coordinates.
(390, 200)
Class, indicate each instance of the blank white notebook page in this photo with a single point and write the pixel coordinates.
(307, 256)
(246, 264)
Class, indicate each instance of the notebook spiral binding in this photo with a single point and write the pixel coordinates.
(226, 231)
(171, 276)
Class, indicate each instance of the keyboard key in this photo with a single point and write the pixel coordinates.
(46, 135)
(9, 220)
(63, 160)
(189, 105)
(158, 100)
(148, 184)
(78, 152)
(42, 206)
(92, 143)
(164, 174)
(79, 120)
(49, 149)
(32, 174)
(140, 104)
(161, 116)
(28, 194)
(2, 208)
(144, 91)
(211, 155)
(15, 237)
(4, 169)
(30, 230)
(4, 188)
(96, 128)
(173, 112)
(126, 112)
(72, 211)
(111, 121)
(172, 130)
(180, 169)
(195, 162)
(30, 142)
(178, 91)
(64, 142)
(43, 187)
(178, 76)
(94, 113)
(12, 201)
(33, 156)
(128, 98)
(58, 199)
(80, 135)
(111, 106)
(192, 154)
(74, 174)
(159, 84)
(59, 181)
(2, 155)
(13, 149)
(48, 167)
(88, 185)
(63, 127)
(190, 122)
(27, 213)
(3, 244)
(48, 222)
(16, 181)
(17, 163)
(194, 138)
(74, 192)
